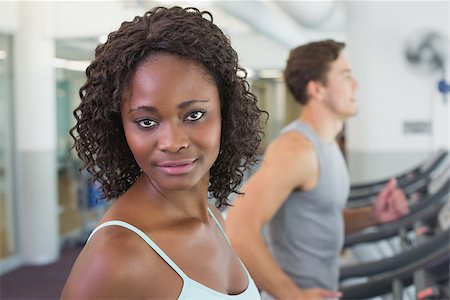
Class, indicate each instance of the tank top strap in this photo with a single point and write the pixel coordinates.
(147, 239)
(226, 238)
(218, 225)
(305, 130)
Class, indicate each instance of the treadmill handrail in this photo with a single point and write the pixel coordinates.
(368, 199)
(398, 260)
(423, 210)
(437, 159)
(423, 177)
(424, 184)
(381, 284)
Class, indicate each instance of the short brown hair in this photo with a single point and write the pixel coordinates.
(310, 62)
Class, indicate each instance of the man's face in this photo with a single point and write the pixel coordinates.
(340, 89)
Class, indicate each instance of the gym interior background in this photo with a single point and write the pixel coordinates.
(398, 51)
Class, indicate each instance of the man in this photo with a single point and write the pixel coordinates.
(302, 186)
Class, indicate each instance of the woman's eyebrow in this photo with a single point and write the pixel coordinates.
(149, 108)
(190, 102)
(143, 108)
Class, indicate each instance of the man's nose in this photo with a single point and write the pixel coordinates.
(355, 84)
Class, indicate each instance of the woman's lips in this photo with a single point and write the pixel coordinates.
(177, 167)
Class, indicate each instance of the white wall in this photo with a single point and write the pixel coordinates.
(8, 16)
(391, 92)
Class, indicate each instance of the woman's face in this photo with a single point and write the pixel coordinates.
(172, 122)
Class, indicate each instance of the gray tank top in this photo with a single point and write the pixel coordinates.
(306, 235)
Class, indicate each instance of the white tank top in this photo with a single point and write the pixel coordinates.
(191, 290)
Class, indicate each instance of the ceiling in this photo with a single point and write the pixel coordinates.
(275, 26)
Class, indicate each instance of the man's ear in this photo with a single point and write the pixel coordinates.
(314, 89)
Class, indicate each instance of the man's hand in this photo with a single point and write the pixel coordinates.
(391, 203)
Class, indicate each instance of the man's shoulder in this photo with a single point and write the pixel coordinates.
(292, 142)
(290, 155)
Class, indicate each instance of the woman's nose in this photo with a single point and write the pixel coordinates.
(172, 138)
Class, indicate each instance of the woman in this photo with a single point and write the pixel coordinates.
(164, 119)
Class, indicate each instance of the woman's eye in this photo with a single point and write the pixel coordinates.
(146, 123)
(194, 116)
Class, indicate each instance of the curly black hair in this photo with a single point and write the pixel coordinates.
(185, 32)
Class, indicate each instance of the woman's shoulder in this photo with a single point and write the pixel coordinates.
(116, 263)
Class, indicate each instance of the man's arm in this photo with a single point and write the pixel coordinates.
(357, 219)
(390, 205)
(289, 164)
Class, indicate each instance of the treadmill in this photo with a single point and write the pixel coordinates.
(424, 265)
(411, 181)
(391, 275)
(424, 210)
